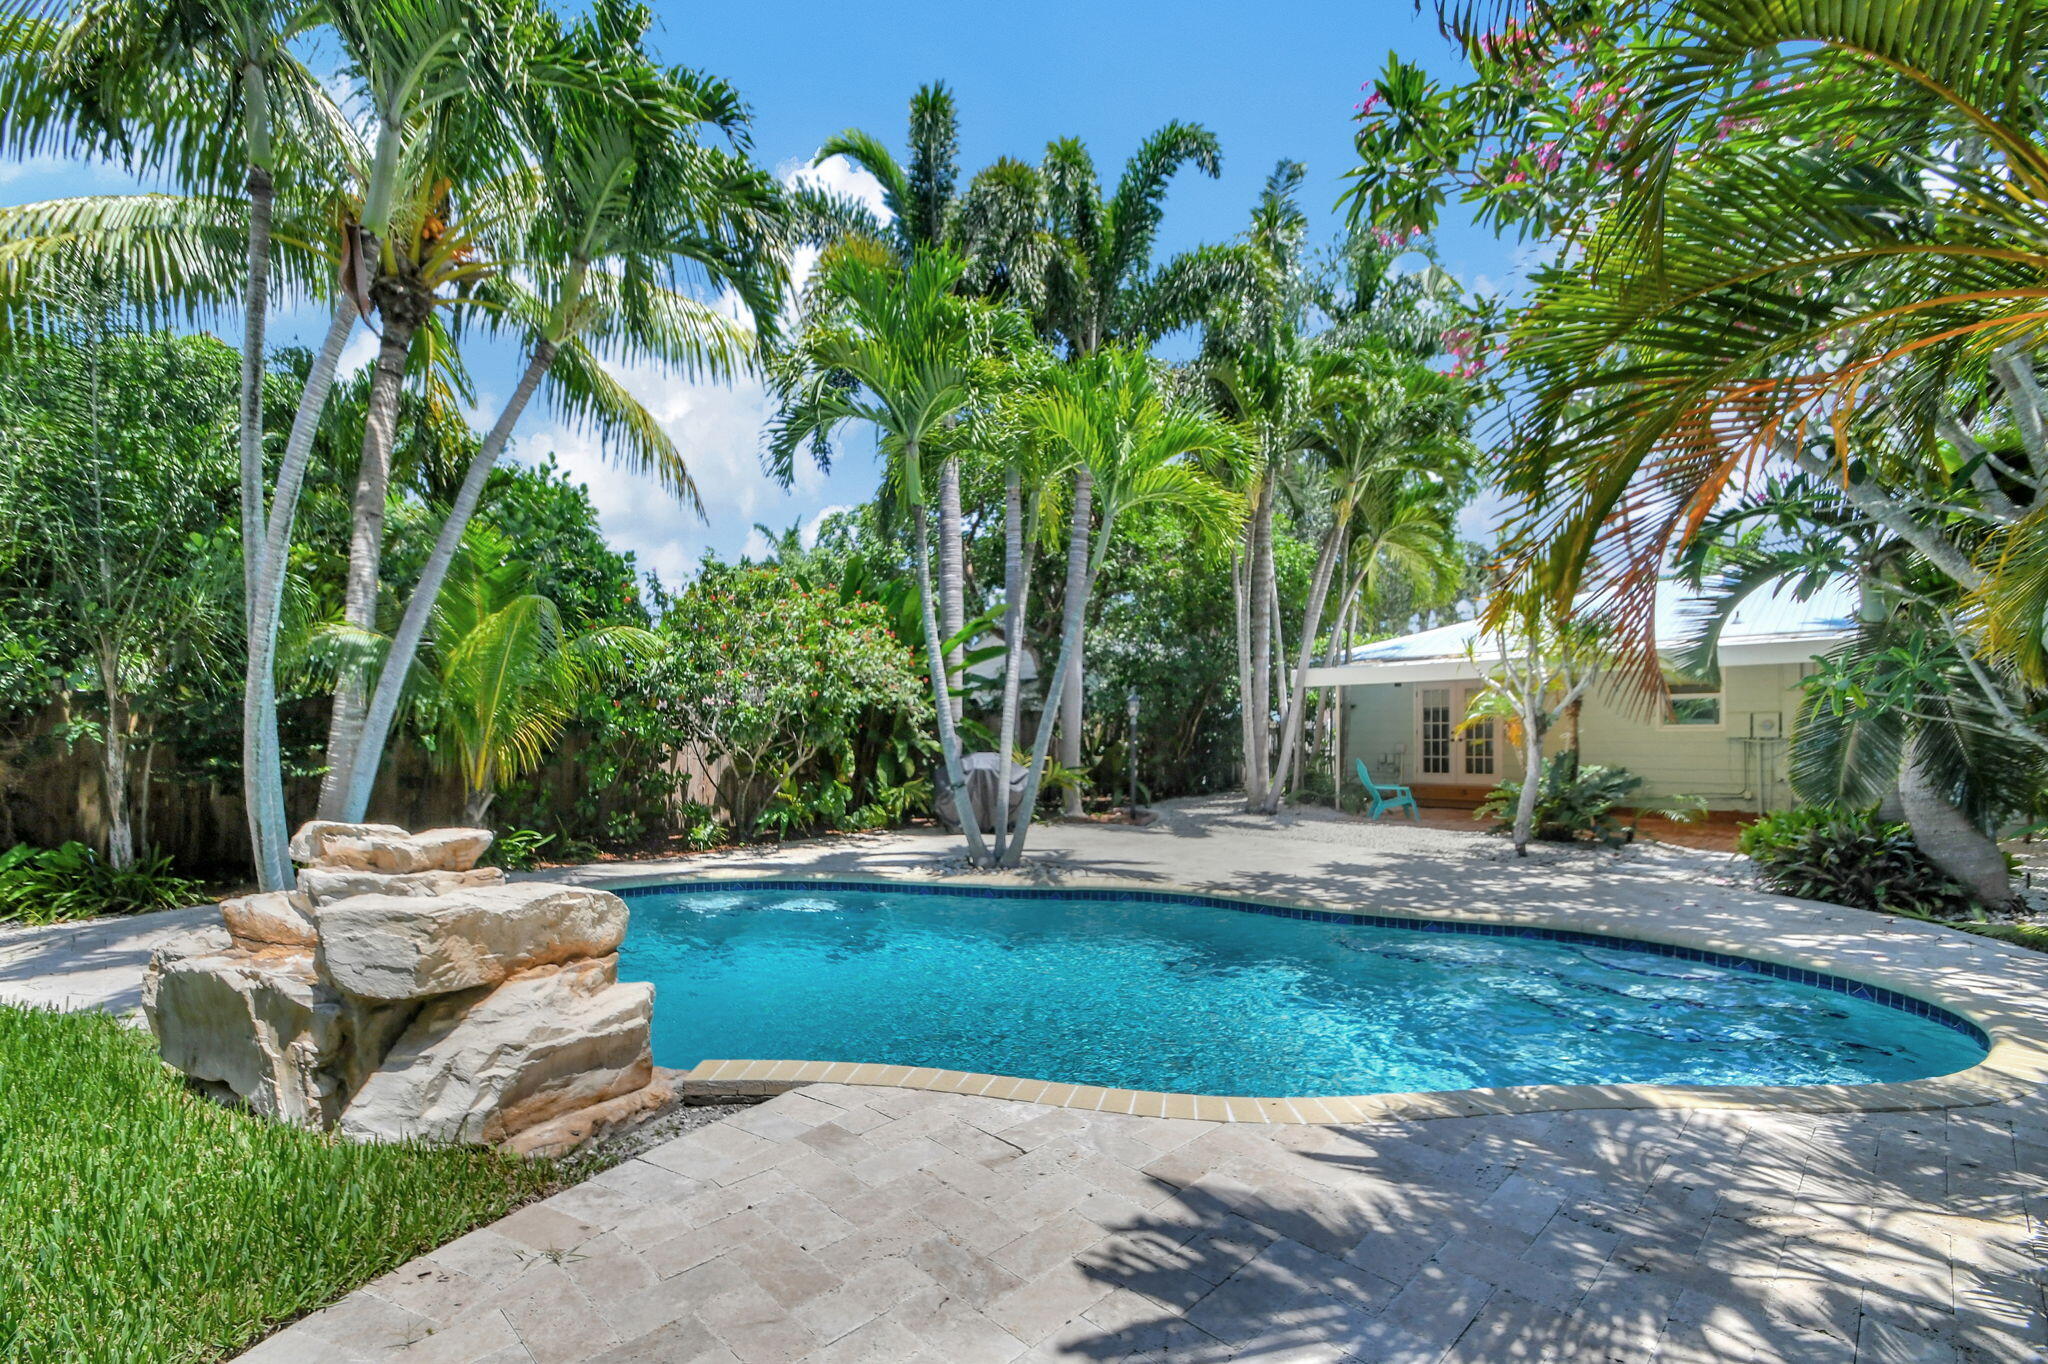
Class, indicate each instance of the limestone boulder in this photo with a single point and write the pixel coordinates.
(259, 1022)
(323, 886)
(486, 1064)
(309, 844)
(560, 1136)
(430, 850)
(397, 947)
(276, 918)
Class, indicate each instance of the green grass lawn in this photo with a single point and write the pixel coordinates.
(141, 1222)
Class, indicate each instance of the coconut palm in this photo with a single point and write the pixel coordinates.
(897, 349)
(630, 205)
(503, 676)
(433, 225)
(1130, 444)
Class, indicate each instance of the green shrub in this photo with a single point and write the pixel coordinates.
(47, 886)
(142, 1222)
(519, 849)
(1573, 802)
(1850, 857)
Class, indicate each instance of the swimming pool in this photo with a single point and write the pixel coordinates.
(1187, 994)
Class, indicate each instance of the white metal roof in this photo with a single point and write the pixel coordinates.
(1771, 626)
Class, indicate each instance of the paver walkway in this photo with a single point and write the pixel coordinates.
(840, 1224)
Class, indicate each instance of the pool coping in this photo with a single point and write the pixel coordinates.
(1868, 948)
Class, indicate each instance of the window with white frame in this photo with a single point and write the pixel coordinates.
(1694, 703)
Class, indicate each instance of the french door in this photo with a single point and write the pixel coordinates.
(1448, 751)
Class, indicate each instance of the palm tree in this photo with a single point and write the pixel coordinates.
(898, 350)
(205, 93)
(503, 677)
(1819, 253)
(1101, 286)
(1374, 422)
(629, 203)
(995, 226)
(1130, 445)
(1821, 210)
(421, 65)
(430, 226)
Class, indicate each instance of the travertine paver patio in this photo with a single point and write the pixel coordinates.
(840, 1223)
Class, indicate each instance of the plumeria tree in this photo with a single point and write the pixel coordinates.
(1537, 664)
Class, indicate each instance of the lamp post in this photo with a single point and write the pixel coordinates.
(1131, 743)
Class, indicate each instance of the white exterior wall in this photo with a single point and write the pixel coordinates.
(1737, 765)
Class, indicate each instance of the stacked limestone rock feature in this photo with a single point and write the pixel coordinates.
(403, 991)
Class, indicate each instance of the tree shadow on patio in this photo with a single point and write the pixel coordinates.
(1580, 1236)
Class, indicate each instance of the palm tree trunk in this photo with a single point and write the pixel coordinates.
(1015, 582)
(952, 578)
(1311, 622)
(1072, 717)
(114, 760)
(262, 760)
(1074, 611)
(1240, 593)
(255, 311)
(949, 738)
(382, 710)
(1261, 595)
(476, 807)
(1948, 837)
(365, 555)
(142, 793)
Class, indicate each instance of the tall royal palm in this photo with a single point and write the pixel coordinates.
(898, 350)
(630, 209)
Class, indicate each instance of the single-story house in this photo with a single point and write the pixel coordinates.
(1722, 740)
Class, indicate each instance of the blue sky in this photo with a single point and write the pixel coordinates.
(1272, 81)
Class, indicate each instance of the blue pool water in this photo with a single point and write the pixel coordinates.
(1203, 999)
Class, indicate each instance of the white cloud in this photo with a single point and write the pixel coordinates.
(360, 351)
(717, 427)
(840, 176)
(809, 534)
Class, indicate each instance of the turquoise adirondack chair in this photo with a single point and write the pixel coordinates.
(1385, 798)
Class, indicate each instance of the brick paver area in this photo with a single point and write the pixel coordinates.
(837, 1224)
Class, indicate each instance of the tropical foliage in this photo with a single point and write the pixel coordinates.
(1851, 857)
(1787, 335)
(802, 703)
(390, 599)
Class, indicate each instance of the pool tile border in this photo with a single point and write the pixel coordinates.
(2015, 1065)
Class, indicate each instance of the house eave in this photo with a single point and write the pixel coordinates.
(1757, 651)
